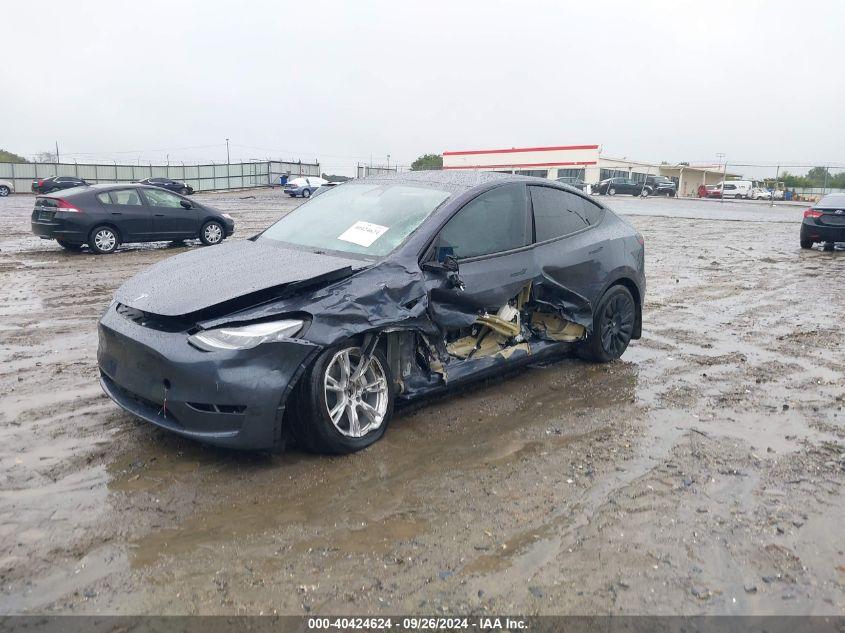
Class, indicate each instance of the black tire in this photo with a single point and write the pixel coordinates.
(611, 192)
(805, 242)
(829, 246)
(4, 191)
(69, 246)
(311, 421)
(99, 241)
(306, 193)
(671, 194)
(184, 191)
(212, 233)
(613, 325)
(645, 193)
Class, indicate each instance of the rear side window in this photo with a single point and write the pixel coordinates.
(124, 197)
(556, 213)
(494, 222)
(587, 209)
(158, 198)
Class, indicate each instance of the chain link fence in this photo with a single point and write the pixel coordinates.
(211, 177)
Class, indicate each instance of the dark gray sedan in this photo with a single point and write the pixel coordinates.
(105, 216)
(407, 285)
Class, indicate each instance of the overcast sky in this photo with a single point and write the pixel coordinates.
(761, 81)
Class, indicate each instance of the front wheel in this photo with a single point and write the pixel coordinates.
(4, 191)
(613, 326)
(184, 191)
(211, 233)
(306, 193)
(345, 402)
(645, 193)
(611, 192)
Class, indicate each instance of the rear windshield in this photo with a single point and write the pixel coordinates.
(366, 218)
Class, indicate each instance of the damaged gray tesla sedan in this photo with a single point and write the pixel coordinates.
(383, 288)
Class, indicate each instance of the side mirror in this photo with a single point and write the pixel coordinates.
(449, 266)
(186, 204)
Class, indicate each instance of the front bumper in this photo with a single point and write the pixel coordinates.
(810, 230)
(233, 399)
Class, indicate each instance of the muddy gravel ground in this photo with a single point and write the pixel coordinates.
(702, 473)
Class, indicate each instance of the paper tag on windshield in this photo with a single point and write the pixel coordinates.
(363, 233)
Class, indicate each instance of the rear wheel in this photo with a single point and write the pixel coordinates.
(184, 191)
(344, 403)
(306, 193)
(103, 240)
(611, 192)
(211, 233)
(829, 246)
(613, 326)
(4, 191)
(645, 193)
(69, 246)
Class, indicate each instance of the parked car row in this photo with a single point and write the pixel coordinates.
(739, 190)
(59, 183)
(652, 185)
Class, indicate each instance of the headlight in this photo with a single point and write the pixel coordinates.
(245, 337)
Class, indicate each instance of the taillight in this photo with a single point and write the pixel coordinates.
(67, 207)
(40, 182)
(813, 213)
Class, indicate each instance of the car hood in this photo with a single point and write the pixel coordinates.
(210, 276)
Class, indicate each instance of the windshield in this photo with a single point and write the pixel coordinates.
(370, 219)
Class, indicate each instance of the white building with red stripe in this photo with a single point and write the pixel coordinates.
(579, 161)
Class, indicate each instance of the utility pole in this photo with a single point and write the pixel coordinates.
(57, 152)
(721, 157)
(228, 167)
(388, 161)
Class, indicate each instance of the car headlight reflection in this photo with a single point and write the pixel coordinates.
(246, 336)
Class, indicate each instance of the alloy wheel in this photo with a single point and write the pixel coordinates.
(356, 392)
(617, 324)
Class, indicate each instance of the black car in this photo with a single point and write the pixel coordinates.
(612, 186)
(824, 222)
(104, 216)
(408, 285)
(166, 183)
(56, 183)
(661, 186)
(573, 182)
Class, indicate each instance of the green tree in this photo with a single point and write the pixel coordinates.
(427, 161)
(9, 157)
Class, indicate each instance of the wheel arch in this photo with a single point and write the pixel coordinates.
(628, 282)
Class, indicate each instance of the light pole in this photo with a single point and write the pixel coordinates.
(388, 161)
(721, 156)
(228, 167)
